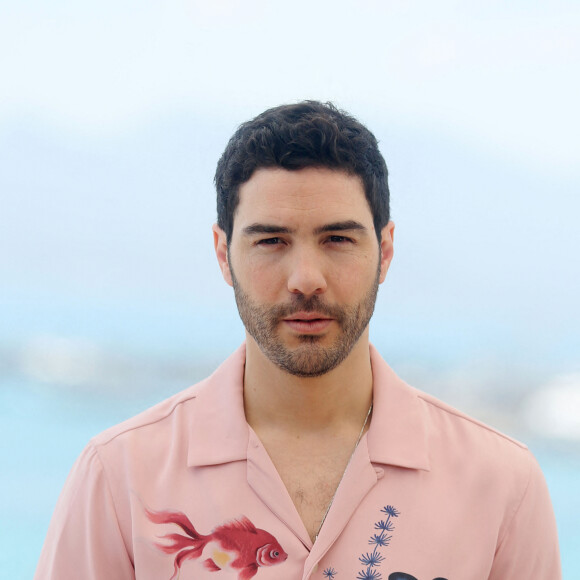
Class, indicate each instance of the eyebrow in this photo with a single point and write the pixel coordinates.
(266, 229)
(344, 226)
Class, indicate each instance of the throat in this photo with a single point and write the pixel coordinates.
(312, 470)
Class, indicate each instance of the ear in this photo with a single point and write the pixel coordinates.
(220, 244)
(387, 249)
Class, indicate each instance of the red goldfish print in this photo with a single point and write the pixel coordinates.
(237, 544)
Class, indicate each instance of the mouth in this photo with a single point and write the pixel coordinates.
(308, 322)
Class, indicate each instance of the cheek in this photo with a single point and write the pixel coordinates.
(262, 278)
(354, 275)
(353, 289)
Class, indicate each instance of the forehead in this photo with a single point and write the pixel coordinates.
(311, 195)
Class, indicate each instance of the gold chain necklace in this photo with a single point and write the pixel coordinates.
(342, 476)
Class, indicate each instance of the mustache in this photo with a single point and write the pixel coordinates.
(301, 304)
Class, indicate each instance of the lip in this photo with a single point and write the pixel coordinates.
(308, 322)
(307, 316)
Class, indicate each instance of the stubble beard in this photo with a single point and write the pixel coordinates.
(310, 358)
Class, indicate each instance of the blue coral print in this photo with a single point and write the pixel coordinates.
(378, 540)
(371, 560)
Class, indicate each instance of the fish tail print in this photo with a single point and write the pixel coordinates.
(185, 547)
(170, 517)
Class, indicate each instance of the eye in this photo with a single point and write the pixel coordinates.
(339, 239)
(274, 553)
(269, 242)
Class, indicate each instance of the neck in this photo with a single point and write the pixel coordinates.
(277, 400)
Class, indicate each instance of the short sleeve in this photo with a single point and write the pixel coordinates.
(529, 546)
(84, 539)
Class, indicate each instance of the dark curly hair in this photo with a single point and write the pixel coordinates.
(306, 134)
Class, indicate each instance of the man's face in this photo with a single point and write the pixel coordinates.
(305, 265)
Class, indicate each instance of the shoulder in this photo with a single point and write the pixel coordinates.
(455, 422)
(193, 409)
(420, 430)
(485, 456)
(493, 479)
(160, 415)
(482, 464)
(433, 419)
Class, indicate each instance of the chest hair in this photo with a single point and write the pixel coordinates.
(311, 475)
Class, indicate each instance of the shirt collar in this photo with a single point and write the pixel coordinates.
(219, 432)
(398, 433)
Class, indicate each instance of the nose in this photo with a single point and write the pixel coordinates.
(306, 275)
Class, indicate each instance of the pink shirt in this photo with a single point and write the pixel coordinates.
(186, 490)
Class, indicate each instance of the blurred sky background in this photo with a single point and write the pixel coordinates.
(112, 118)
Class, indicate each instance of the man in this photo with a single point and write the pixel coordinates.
(303, 455)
